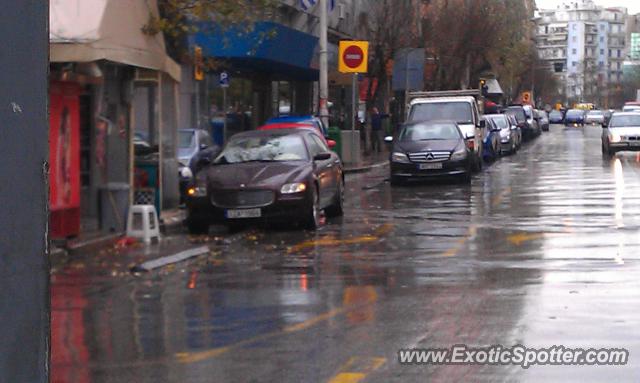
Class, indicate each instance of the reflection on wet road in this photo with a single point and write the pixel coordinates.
(542, 249)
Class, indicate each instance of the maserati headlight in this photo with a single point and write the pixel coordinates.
(399, 157)
(293, 188)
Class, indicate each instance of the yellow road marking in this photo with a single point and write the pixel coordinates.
(461, 242)
(519, 239)
(333, 241)
(348, 377)
(357, 368)
(193, 357)
(497, 200)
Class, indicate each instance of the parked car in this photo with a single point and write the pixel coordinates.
(513, 123)
(507, 137)
(532, 120)
(491, 141)
(460, 106)
(190, 142)
(430, 149)
(631, 108)
(556, 117)
(594, 117)
(299, 125)
(574, 117)
(527, 128)
(287, 175)
(542, 119)
(316, 121)
(622, 133)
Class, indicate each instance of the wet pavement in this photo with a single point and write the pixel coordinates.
(541, 249)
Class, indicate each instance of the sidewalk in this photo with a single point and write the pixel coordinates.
(370, 161)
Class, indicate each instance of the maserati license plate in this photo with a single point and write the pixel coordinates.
(244, 213)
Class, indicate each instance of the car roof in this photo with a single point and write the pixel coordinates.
(308, 118)
(496, 115)
(287, 125)
(273, 133)
(430, 122)
(435, 100)
(624, 114)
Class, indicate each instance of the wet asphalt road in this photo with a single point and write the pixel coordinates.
(542, 249)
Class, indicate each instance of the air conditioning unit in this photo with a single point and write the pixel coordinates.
(342, 11)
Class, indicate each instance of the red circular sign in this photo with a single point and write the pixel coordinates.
(353, 56)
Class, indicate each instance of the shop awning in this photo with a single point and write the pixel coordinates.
(271, 48)
(91, 30)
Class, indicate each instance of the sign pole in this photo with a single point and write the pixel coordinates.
(324, 66)
(354, 113)
(224, 114)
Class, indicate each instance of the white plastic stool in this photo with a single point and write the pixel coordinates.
(143, 223)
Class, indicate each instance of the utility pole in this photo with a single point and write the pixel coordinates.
(324, 66)
(24, 152)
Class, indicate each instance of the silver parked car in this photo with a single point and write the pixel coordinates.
(509, 135)
(622, 133)
(594, 117)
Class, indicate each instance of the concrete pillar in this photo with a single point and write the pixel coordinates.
(24, 151)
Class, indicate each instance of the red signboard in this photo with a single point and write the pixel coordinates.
(353, 56)
(64, 159)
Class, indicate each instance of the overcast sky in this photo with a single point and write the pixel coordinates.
(632, 5)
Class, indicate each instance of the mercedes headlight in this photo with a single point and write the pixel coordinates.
(459, 154)
(400, 157)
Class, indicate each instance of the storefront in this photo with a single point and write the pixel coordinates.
(273, 71)
(100, 58)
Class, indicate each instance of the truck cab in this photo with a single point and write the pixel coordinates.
(464, 107)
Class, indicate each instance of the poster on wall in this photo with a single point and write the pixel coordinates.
(64, 159)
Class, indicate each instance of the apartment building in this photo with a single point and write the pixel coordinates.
(585, 46)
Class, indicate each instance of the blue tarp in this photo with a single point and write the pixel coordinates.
(269, 47)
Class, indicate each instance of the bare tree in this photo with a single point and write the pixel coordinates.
(392, 25)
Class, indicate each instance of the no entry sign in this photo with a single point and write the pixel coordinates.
(353, 56)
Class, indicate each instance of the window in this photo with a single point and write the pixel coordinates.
(602, 39)
(610, 54)
(601, 64)
(573, 63)
(602, 27)
(574, 51)
(619, 52)
(574, 39)
(602, 51)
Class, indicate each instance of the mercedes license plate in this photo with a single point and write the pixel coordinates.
(244, 213)
(437, 165)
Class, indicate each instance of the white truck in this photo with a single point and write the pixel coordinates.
(465, 107)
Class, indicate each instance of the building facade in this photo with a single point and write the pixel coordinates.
(585, 46)
(272, 76)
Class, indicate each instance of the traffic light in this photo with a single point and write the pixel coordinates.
(198, 64)
(483, 87)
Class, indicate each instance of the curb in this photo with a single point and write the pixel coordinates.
(365, 168)
(93, 244)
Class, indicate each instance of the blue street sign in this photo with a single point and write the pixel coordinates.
(224, 80)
